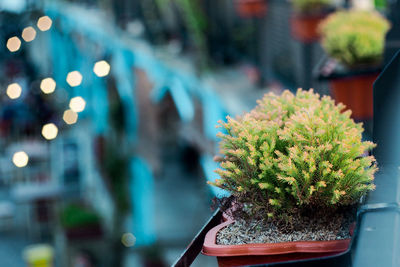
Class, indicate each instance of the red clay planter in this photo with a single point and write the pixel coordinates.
(305, 27)
(356, 93)
(251, 8)
(351, 86)
(251, 254)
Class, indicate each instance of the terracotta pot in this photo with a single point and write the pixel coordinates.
(252, 254)
(356, 93)
(251, 8)
(305, 27)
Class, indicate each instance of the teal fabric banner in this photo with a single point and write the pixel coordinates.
(142, 192)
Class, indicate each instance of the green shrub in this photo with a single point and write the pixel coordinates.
(76, 215)
(311, 6)
(295, 151)
(354, 37)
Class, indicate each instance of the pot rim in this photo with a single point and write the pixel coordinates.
(211, 248)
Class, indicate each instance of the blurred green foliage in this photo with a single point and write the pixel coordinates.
(354, 37)
(76, 215)
(311, 6)
(116, 168)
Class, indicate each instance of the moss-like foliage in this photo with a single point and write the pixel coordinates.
(311, 6)
(295, 151)
(76, 215)
(354, 37)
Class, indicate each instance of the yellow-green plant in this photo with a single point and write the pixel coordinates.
(295, 151)
(311, 6)
(354, 37)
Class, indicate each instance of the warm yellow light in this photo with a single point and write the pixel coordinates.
(74, 78)
(44, 23)
(14, 91)
(101, 68)
(77, 104)
(128, 240)
(48, 85)
(70, 116)
(29, 34)
(20, 159)
(50, 131)
(13, 44)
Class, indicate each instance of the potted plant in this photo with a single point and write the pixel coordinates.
(296, 169)
(306, 17)
(80, 222)
(354, 40)
(251, 8)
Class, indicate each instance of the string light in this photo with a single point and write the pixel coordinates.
(29, 34)
(77, 104)
(101, 68)
(14, 91)
(13, 44)
(44, 23)
(70, 116)
(50, 131)
(20, 159)
(74, 78)
(48, 85)
(128, 240)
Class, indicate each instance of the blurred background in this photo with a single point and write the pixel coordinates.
(107, 118)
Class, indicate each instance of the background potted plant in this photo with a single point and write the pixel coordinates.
(306, 17)
(295, 169)
(355, 40)
(251, 8)
(80, 222)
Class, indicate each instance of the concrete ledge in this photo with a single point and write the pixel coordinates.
(378, 241)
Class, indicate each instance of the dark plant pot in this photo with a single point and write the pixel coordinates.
(84, 232)
(252, 254)
(251, 8)
(356, 93)
(304, 28)
(351, 86)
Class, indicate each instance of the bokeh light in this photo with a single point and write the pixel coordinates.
(50, 131)
(29, 34)
(128, 240)
(44, 23)
(101, 68)
(14, 91)
(20, 159)
(13, 44)
(48, 85)
(77, 104)
(70, 116)
(74, 78)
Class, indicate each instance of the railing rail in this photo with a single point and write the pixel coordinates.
(194, 248)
